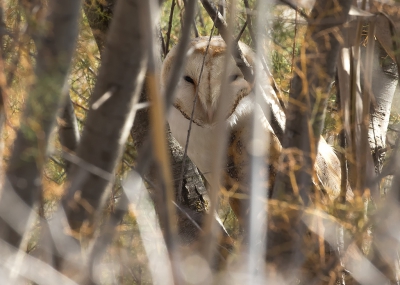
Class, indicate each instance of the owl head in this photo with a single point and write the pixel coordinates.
(208, 87)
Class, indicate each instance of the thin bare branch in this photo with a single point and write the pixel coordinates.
(275, 103)
(297, 9)
(241, 32)
(249, 21)
(237, 54)
(191, 116)
(171, 14)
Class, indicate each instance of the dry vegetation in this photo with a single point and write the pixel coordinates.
(125, 237)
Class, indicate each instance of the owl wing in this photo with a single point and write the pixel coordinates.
(237, 171)
(327, 164)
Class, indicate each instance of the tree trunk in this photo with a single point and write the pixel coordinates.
(111, 113)
(384, 83)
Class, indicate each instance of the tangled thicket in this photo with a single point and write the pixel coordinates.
(93, 188)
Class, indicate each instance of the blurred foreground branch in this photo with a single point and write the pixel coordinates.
(111, 114)
(23, 176)
(310, 87)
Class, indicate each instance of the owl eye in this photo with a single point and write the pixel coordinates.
(233, 77)
(188, 79)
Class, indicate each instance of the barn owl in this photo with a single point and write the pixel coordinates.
(239, 113)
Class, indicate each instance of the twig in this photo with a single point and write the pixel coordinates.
(171, 15)
(241, 32)
(237, 53)
(221, 7)
(59, 163)
(192, 114)
(80, 106)
(183, 44)
(226, 216)
(294, 49)
(297, 9)
(249, 22)
(196, 31)
(163, 46)
(188, 216)
(219, 146)
(79, 93)
(89, 167)
(344, 182)
(244, 66)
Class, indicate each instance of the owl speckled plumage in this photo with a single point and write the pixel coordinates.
(239, 113)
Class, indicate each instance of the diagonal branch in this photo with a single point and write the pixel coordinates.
(116, 91)
(237, 54)
(277, 111)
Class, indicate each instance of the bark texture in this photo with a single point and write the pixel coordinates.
(24, 172)
(384, 83)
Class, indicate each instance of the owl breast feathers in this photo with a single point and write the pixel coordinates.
(238, 110)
